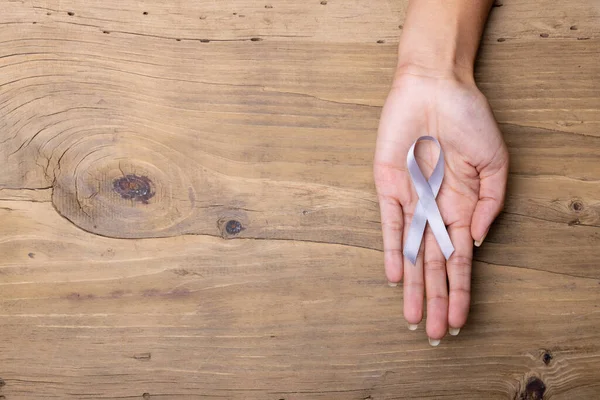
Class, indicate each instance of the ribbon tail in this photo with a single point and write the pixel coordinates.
(415, 234)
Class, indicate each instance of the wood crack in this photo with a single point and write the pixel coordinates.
(537, 270)
(26, 200)
(322, 99)
(174, 38)
(548, 220)
(549, 130)
(552, 176)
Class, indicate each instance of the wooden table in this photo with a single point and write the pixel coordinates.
(187, 207)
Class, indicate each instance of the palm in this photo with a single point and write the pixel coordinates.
(459, 117)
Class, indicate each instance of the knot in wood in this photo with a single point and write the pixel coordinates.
(134, 187)
(233, 227)
(576, 205)
(534, 390)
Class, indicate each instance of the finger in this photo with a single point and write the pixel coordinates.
(436, 289)
(492, 190)
(413, 283)
(459, 276)
(391, 225)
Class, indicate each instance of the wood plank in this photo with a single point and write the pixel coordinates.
(195, 315)
(256, 121)
(279, 129)
(285, 20)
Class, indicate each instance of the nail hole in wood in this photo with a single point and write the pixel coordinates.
(143, 356)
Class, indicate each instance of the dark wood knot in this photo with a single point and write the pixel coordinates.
(134, 187)
(547, 357)
(576, 205)
(233, 227)
(534, 390)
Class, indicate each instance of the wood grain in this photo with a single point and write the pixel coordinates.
(188, 210)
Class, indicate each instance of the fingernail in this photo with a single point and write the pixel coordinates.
(453, 331)
(412, 327)
(434, 342)
(393, 284)
(479, 242)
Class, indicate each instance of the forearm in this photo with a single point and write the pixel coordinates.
(442, 36)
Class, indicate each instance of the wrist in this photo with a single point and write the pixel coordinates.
(434, 52)
(427, 68)
(440, 38)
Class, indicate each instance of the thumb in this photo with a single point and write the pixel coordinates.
(492, 189)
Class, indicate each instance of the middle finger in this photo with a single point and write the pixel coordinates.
(436, 288)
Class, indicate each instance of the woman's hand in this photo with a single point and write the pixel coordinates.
(449, 107)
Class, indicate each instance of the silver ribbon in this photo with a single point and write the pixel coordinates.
(427, 209)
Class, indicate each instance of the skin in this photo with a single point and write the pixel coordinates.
(434, 93)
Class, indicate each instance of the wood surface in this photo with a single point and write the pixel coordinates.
(187, 207)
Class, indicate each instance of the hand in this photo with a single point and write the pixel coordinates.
(452, 109)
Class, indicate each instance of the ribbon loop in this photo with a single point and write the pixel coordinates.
(427, 209)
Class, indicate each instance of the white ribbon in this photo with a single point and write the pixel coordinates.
(427, 209)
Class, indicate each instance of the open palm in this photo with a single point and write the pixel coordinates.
(471, 195)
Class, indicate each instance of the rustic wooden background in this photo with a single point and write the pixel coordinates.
(138, 138)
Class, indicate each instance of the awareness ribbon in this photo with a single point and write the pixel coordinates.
(427, 209)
